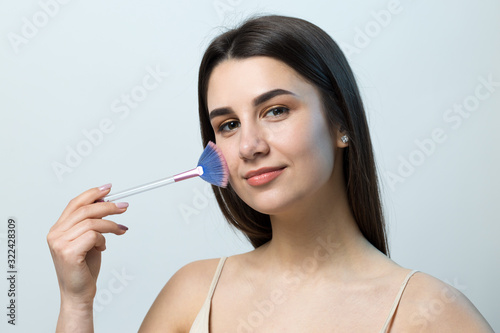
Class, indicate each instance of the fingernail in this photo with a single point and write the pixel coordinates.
(122, 227)
(121, 204)
(105, 187)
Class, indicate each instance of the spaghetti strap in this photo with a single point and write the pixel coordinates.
(396, 302)
(201, 322)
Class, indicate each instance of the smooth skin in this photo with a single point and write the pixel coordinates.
(317, 274)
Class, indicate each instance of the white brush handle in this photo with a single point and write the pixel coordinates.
(149, 186)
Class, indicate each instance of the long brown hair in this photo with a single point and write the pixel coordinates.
(313, 54)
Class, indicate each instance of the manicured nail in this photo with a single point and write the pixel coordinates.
(121, 204)
(105, 187)
(122, 227)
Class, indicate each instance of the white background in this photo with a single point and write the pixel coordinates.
(64, 77)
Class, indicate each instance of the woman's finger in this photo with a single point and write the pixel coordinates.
(99, 225)
(96, 210)
(76, 251)
(84, 198)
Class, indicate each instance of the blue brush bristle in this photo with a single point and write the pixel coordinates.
(215, 170)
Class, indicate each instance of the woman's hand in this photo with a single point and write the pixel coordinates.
(76, 243)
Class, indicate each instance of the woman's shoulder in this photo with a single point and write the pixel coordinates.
(198, 272)
(431, 305)
(180, 300)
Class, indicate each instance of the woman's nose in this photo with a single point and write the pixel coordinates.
(252, 142)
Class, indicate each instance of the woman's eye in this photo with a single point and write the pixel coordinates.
(229, 126)
(277, 111)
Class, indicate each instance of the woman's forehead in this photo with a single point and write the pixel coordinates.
(250, 77)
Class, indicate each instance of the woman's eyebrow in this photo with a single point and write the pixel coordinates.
(256, 101)
(270, 94)
(220, 112)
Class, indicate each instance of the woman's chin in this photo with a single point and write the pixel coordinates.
(272, 205)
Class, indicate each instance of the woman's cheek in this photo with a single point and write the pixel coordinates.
(290, 134)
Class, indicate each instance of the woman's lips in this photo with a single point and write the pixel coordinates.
(263, 176)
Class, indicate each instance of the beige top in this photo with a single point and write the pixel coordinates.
(201, 323)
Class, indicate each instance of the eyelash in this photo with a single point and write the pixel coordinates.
(284, 110)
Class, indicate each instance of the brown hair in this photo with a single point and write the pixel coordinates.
(315, 56)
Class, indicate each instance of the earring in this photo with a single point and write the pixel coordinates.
(344, 139)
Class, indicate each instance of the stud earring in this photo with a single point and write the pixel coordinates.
(344, 139)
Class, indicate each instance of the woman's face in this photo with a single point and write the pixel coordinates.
(270, 126)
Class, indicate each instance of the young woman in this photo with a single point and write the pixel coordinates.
(278, 97)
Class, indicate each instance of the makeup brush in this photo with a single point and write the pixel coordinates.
(212, 167)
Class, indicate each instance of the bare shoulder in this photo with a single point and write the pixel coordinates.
(180, 300)
(431, 305)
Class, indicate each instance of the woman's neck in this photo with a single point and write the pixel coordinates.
(321, 233)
